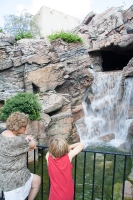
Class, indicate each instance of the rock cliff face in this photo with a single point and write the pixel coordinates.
(59, 71)
(108, 38)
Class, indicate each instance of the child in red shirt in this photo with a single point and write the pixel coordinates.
(59, 159)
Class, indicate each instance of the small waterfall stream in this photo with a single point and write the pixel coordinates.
(106, 108)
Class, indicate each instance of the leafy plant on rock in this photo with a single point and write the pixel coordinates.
(22, 102)
(22, 35)
(65, 36)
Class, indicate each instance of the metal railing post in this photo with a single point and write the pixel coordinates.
(113, 177)
(103, 175)
(93, 179)
(124, 175)
(75, 169)
(84, 169)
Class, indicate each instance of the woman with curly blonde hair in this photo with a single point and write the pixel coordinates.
(15, 179)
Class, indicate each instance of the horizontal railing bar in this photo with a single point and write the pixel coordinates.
(94, 151)
(111, 153)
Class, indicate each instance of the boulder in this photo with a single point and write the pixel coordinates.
(128, 70)
(51, 102)
(128, 190)
(108, 137)
(61, 125)
(39, 128)
(77, 112)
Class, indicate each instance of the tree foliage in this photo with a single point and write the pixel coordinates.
(67, 37)
(22, 102)
(25, 23)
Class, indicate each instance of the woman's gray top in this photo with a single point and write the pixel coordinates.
(13, 162)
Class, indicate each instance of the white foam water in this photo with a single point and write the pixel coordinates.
(107, 113)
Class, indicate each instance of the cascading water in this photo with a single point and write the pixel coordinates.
(106, 108)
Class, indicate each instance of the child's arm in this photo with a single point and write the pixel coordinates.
(76, 148)
(74, 145)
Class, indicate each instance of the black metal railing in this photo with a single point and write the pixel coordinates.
(97, 174)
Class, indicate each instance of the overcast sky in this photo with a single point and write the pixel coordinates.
(75, 8)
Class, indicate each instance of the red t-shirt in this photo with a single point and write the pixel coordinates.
(61, 182)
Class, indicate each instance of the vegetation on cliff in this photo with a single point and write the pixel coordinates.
(67, 37)
(22, 35)
(23, 102)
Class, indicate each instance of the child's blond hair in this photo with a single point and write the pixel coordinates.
(58, 147)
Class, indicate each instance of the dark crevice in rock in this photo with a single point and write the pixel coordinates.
(1, 103)
(53, 113)
(36, 89)
(115, 60)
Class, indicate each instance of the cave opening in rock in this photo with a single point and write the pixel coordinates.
(115, 60)
(35, 88)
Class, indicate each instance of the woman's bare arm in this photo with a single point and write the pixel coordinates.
(32, 145)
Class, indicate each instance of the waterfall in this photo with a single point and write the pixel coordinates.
(106, 108)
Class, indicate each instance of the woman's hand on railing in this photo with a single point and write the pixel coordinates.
(29, 138)
(32, 142)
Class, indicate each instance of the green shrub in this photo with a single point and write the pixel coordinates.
(67, 37)
(22, 102)
(23, 35)
(1, 30)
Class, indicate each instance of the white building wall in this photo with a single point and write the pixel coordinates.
(51, 21)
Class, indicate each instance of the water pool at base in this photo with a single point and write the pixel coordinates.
(89, 173)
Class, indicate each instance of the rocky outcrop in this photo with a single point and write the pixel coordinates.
(111, 28)
(128, 70)
(37, 66)
(40, 67)
(108, 137)
(59, 71)
(111, 31)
